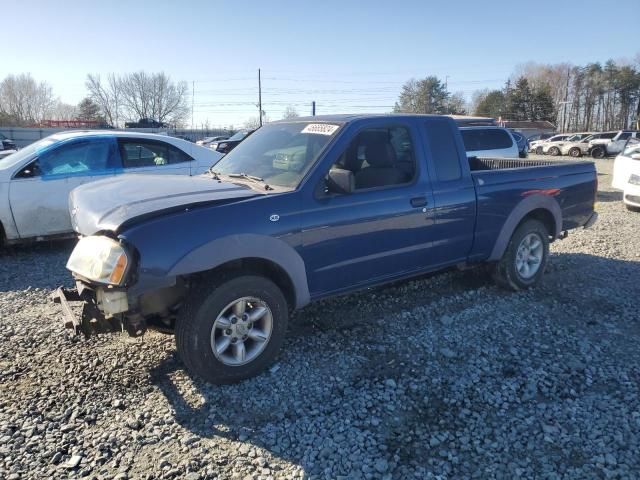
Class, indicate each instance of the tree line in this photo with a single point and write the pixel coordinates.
(112, 101)
(575, 98)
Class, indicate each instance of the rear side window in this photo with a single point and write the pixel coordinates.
(150, 153)
(485, 139)
(444, 151)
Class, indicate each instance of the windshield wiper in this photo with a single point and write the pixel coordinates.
(216, 176)
(244, 175)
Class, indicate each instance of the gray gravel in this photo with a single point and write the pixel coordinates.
(443, 377)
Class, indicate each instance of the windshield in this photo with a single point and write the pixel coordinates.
(632, 146)
(279, 153)
(239, 135)
(20, 155)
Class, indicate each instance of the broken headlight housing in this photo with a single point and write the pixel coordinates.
(100, 259)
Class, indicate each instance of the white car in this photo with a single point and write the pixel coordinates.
(554, 147)
(537, 146)
(489, 141)
(626, 174)
(601, 148)
(35, 182)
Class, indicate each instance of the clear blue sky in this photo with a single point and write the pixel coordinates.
(347, 55)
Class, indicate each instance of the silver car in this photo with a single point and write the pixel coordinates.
(581, 147)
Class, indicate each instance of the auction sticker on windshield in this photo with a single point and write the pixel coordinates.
(320, 128)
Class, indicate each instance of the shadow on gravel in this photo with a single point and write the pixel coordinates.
(608, 196)
(575, 284)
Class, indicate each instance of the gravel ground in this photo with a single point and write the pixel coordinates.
(442, 377)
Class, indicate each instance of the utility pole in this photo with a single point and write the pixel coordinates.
(193, 96)
(260, 97)
(566, 98)
(313, 108)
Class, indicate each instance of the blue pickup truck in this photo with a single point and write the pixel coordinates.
(299, 211)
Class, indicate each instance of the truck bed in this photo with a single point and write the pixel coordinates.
(501, 183)
(479, 164)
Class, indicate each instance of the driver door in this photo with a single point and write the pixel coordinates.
(39, 192)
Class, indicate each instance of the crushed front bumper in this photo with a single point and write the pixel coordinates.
(91, 320)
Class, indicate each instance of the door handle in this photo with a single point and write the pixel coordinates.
(418, 202)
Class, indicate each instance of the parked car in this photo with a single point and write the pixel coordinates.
(303, 210)
(626, 174)
(581, 147)
(553, 147)
(6, 144)
(523, 143)
(489, 142)
(225, 146)
(35, 181)
(601, 148)
(537, 146)
(205, 142)
(146, 123)
(540, 136)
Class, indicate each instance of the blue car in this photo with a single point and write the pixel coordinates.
(302, 210)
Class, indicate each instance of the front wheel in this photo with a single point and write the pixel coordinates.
(525, 258)
(539, 150)
(231, 329)
(598, 152)
(554, 151)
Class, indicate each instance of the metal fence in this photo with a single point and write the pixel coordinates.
(24, 136)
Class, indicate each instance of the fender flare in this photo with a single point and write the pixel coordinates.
(237, 247)
(526, 206)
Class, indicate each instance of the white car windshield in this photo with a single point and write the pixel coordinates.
(20, 155)
(632, 146)
(279, 154)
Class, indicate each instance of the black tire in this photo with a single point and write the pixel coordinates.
(554, 151)
(539, 150)
(575, 152)
(201, 308)
(598, 152)
(505, 273)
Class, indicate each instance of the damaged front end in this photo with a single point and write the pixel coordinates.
(101, 312)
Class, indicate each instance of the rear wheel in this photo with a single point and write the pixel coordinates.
(525, 258)
(575, 152)
(231, 329)
(555, 151)
(598, 152)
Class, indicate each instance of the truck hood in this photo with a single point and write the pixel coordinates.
(109, 204)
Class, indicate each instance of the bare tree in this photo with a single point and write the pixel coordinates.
(25, 100)
(254, 122)
(154, 96)
(290, 112)
(64, 111)
(107, 96)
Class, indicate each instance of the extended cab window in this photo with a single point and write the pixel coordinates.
(485, 139)
(444, 151)
(380, 157)
(149, 153)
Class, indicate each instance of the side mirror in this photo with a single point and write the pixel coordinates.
(340, 181)
(30, 171)
(635, 156)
